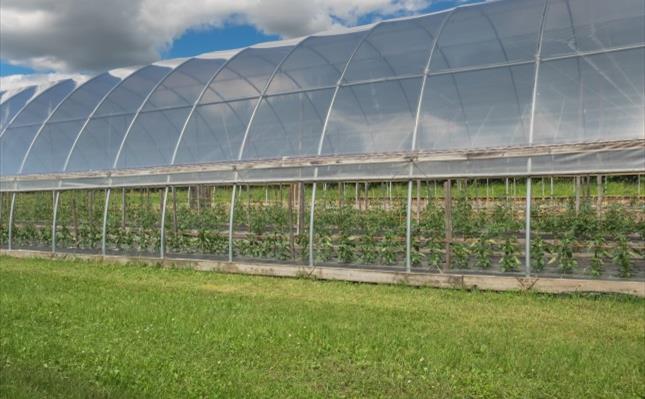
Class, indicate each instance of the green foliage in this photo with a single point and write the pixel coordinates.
(346, 249)
(435, 254)
(509, 262)
(539, 251)
(599, 254)
(483, 251)
(460, 255)
(622, 257)
(564, 250)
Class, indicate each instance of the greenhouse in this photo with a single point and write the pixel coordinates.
(500, 138)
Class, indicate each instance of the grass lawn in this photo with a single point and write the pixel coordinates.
(76, 329)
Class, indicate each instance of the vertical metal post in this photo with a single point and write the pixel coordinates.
(576, 186)
(105, 217)
(54, 219)
(311, 224)
(527, 244)
(123, 206)
(408, 230)
(447, 190)
(231, 218)
(599, 194)
(11, 216)
(162, 228)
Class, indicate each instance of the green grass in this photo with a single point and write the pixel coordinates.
(75, 329)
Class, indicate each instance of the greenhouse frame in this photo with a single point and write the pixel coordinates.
(508, 92)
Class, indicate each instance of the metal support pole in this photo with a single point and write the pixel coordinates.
(105, 217)
(527, 244)
(576, 186)
(54, 219)
(231, 218)
(311, 224)
(162, 228)
(599, 194)
(408, 230)
(11, 216)
(447, 190)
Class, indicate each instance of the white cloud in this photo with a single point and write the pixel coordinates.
(95, 35)
(16, 82)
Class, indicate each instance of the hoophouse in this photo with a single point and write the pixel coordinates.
(509, 130)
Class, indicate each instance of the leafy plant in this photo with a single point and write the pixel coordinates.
(539, 250)
(483, 251)
(435, 252)
(565, 253)
(325, 248)
(599, 254)
(461, 255)
(388, 249)
(509, 262)
(346, 249)
(622, 257)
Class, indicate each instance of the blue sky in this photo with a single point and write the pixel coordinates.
(231, 35)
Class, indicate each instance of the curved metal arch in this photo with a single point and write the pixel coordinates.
(42, 126)
(31, 100)
(424, 81)
(301, 92)
(35, 94)
(91, 115)
(312, 208)
(138, 111)
(187, 101)
(482, 11)
(452, 75)
(263, 93)
(198, 99)
(264, 96)
(339, 85)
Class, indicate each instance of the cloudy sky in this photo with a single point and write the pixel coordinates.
(49, 38)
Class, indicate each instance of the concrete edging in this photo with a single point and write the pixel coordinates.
(458, 281)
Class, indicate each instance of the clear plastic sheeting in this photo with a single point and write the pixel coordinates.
(13, 105)
(99, 141)
(288, 125)
(574, 26)
(364, 117)
(477, 109)
(246, 75)
(495, 33)
(317, 62)
(591, 98)
(481, 89)
(215, 132)
(53, 142)
(184, 84)
(159, 126)
(395, 49)
(17, 137)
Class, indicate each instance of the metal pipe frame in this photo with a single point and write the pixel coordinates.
(312, 209)
(415, 133)
(162, 227)
(54, 111)
(104, 227)
(11, 216)
(408, 230)
(231, 218)
(529, 165)
(24, 107)
(55, 219)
